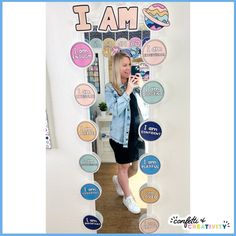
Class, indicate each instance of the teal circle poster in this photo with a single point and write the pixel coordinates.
(152, 92)
(90, 163)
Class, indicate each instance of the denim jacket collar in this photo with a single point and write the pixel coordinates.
(123, 87)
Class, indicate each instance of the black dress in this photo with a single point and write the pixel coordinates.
(127, 155)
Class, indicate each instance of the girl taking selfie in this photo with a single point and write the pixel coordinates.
(127, 108)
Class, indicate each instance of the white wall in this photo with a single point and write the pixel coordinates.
(173, 114)
(65, 207)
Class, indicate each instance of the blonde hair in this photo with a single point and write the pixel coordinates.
(116, 78)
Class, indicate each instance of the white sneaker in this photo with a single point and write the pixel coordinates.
(117, 185)
(131, 205)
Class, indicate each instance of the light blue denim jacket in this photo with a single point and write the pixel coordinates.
(119, 106)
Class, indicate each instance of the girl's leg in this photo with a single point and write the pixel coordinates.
(123, 178)
(133, 169)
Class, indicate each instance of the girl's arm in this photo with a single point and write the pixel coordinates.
(116, 104)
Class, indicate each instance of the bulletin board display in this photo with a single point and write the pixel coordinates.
(94, 74)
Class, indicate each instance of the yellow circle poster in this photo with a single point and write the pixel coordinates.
(149, 194)
(108, 44)
(87, 131)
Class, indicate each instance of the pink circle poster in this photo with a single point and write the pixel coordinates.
(154, 52)
(85, 94)
(135, 42)
(82, 54)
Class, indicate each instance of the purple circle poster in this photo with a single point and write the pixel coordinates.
(82, 54)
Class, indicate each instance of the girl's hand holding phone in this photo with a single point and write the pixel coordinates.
(139, 79)
(132, 83)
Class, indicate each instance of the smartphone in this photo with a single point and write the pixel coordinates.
(135, 69)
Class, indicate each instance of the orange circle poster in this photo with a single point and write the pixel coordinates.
(87, 131)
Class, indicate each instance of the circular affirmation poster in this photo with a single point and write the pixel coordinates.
(108, 44)
(148, 225)
(149, 194)
(149, 164)
(85, 94)
(152, 92)
(96, 43)
(154, 52)
(135, 42)
(82, 54)
(90, 163)
(91, 191)
(150, 131)
(93, 222)
(122, 43)
(87, 131)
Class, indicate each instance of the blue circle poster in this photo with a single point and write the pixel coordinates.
(91, 222)
(150, 131)
(90, 191)
(149, 164)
